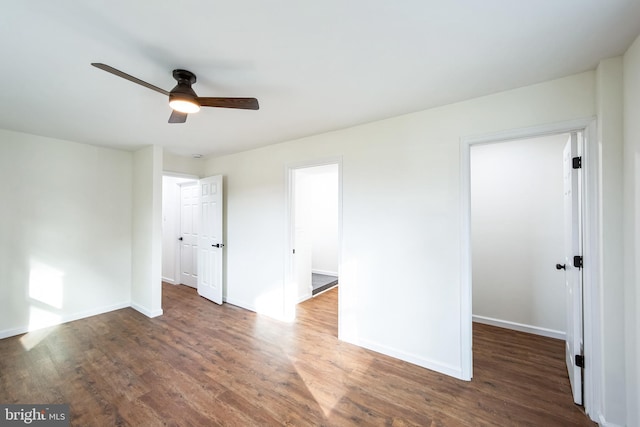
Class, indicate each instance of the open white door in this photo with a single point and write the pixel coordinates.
(302, 253)
(211, 242)
(573, 263)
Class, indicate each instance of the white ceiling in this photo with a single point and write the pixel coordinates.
(314, 66)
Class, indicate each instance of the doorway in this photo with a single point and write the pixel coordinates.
(193, 240)
(521, 221)
(590, 245)
(179, 230)
(314, 231)
(517, 234)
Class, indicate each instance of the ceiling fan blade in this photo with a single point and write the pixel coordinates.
(243, 103)
(126, 76)
(177, 117)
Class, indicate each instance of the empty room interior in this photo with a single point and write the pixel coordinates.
(369, 213)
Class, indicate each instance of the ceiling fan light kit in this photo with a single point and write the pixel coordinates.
(182, 98)
(184, 105)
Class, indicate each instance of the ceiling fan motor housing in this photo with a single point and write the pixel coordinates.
(183, 90)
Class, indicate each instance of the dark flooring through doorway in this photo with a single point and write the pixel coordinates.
(322, 282)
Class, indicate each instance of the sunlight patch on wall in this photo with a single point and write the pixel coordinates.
(271, 303)
(46, 285)
(46, 296)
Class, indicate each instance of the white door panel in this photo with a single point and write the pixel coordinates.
(189, 203)
(211, 241)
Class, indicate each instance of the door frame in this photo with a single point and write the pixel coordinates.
(290, 290)
(591, 248)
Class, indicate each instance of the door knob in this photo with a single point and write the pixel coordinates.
(561, 267)
(179, 238)
(218, 245)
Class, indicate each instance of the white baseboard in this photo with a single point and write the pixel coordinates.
(326, 272)
(146, 311)
(65, 319)
(170, 281)
(240, 304)
(454, 371)
(536, 330)
(602, 422)
(304, 297)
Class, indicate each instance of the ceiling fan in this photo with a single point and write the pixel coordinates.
(182, 99)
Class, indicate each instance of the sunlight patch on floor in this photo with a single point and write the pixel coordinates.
(330, 387)
(33, 338)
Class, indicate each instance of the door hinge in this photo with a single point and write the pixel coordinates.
(576, 162)
(294, 251)
(577, 261)
(580, 360)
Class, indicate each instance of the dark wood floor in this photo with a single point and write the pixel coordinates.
(203, 365)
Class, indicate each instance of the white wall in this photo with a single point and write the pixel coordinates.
(65, 231)
(182, 165)
(401, 255)
(146, 281)
(518, 234)
(632, 228)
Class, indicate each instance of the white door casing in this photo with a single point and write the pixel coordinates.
(211, 242)
(189, 215)
(573, 267)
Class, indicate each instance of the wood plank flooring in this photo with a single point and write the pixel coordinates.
(205, 365)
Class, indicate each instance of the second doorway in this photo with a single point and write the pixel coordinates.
(315, 229)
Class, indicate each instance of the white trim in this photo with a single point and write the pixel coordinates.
(593, 396)
(170, 281)
(466, 329)
(530, 329)
(289, 294)
(592, 251)
(65, 319)
(529, 132)
(306, 296)
(602, 422)
(180, 175)
(443, 368)
(242, 304)
(325, 272)
(146, 311)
